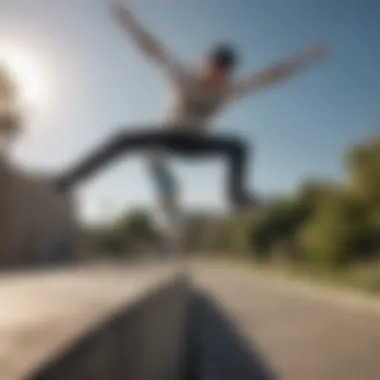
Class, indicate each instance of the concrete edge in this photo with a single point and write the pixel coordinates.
(71, 335)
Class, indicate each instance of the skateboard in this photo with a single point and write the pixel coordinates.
(168, 204)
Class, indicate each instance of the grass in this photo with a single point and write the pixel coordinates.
(363, 278)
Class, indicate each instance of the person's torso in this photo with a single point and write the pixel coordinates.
(194, 104)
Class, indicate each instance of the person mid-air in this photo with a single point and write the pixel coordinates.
(199, 94)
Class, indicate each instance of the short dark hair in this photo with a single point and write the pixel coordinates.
(224, 55)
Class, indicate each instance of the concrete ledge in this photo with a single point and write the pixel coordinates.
(93, 323)
(216, 348)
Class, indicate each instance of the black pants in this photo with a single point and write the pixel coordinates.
(186, 144)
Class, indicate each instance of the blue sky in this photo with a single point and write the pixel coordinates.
(97, 81)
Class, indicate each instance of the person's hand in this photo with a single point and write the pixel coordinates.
(119, 11)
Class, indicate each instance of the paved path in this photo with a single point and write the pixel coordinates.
(296, 334)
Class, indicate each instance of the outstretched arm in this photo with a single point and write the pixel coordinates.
(144, 40)
(280, 71)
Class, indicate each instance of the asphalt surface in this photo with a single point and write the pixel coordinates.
(255, 328)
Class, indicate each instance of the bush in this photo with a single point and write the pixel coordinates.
(277, 225)
(364, 277)
(364, 172)
(132, 232)
(338, 232)
(109, 243)
(135, 228)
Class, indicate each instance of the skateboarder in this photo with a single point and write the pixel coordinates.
(199, 94)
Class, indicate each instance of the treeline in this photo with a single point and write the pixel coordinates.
(131, 234)
(323, 224)
(329, 229)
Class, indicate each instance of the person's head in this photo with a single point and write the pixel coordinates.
(220, 62)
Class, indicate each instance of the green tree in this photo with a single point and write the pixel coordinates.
(364, 172)
(277, 224)
(312, 192)
(135, 229)
(338, 233)
(131, 233)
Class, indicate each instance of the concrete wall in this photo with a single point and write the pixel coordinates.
(95, 322)
(145, 341)
(35, 221)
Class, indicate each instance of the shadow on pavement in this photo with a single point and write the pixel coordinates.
(216, 349)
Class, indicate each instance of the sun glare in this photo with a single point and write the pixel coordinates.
(28, 71)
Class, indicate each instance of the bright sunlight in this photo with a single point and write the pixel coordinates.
(28, 71)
